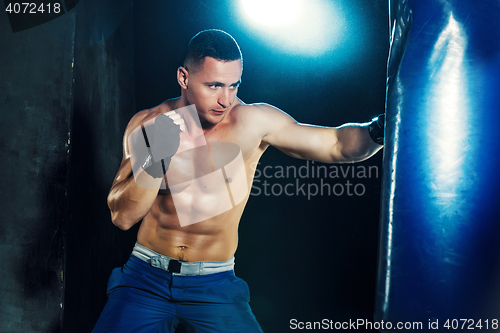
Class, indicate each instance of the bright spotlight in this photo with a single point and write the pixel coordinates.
(309, 27)
(272, 12)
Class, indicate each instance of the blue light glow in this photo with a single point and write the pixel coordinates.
(273, 12)
(306, 28)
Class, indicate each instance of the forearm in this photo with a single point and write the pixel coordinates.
(129, 203)
(354, 142)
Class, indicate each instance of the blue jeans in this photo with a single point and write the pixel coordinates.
(142, 298)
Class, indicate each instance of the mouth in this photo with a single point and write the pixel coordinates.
(218, 112)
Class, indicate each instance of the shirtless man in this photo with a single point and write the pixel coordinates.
(183, 273)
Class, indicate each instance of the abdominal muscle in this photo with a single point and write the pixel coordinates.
(214, 239)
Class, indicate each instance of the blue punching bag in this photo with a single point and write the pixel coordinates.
(439, 255)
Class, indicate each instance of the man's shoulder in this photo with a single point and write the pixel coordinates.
(259, 118)
(259, 113)
(147, 114)
(254, 107)
(254, 111)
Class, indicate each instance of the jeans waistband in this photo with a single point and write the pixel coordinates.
(181, 267)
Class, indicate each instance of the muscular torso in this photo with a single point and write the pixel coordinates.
(215, 238)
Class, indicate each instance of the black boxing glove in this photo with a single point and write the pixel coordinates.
(164, 146)
(376, 129)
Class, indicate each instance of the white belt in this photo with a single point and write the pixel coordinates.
(181, 267)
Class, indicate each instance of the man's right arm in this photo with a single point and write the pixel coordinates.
(151, 139)
(127, 201)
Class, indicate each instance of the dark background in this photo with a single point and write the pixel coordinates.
(69, 87)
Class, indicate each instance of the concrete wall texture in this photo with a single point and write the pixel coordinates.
(56, 113)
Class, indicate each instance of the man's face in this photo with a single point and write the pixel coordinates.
(213, 89)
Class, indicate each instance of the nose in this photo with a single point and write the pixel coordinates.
(224, 99)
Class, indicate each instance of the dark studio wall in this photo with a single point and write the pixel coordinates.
(35, 104)
(67, 94)
(103, 104)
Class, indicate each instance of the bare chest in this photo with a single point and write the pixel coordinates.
(212, 178)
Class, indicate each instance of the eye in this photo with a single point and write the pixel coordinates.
(214, 86)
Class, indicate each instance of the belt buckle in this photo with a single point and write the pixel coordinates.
(174, 266)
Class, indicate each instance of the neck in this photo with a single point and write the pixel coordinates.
(181, 102)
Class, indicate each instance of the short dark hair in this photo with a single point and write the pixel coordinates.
(213, 43)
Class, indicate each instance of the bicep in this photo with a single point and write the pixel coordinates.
(300, 140)
(133, 146)
(306, 142)
(125, 169)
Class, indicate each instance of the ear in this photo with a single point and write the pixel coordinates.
(182, 77)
